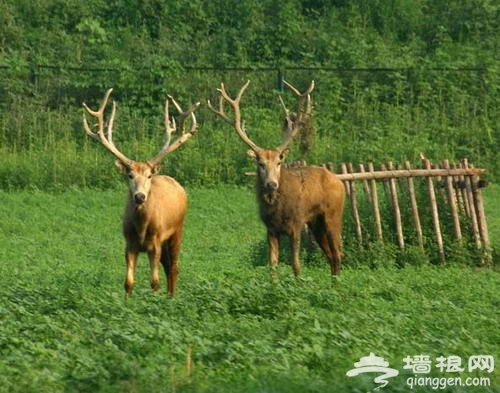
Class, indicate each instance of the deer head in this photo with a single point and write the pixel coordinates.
(268, 160)
(139, 174)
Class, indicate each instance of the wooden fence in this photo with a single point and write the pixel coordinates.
(459, 187)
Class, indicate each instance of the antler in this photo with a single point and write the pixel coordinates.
(106, 139)
(295, 120)
(236, 122)
(171, 127)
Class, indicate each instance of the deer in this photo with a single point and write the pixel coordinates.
(291, 197)
(156, 204)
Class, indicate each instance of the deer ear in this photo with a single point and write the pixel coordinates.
(157, 168)
(252, 154)
(121, 166)
(284, 153)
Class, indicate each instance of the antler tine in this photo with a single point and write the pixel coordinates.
(170, 127)
(306, 95)
(292, 127)
(221, 113)
(106, 139)
(297, 92)
(111, 122)
(288, 117)
(87, 129)
(236, 122)
(285, 109)
(184, 115)
(294, 124)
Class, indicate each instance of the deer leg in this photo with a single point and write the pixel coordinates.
(333, 235)
(165, 260)
(131, 261)
(174, 249)
(295, 243)
(274, 250)
(319, 231)
(154, 255)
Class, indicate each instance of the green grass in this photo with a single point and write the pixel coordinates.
(67, 328)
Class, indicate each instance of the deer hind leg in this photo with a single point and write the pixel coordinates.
(333, 228)
(165, 259)
(295, 244)
(171, 266)
(319, 231)
(131, 261)
(154, 255)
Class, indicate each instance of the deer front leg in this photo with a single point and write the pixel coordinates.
(154, 255)
(274, 250)
(131, 261)
(295, 244)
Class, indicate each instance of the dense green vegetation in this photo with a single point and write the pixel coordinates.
(440, 97)
(66, 327)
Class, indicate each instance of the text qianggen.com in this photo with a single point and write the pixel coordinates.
(437, 383)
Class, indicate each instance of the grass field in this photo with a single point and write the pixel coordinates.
(65, 326)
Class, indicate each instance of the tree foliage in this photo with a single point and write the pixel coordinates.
(433, 83)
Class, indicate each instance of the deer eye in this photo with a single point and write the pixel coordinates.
(150, 176)
(130, 176)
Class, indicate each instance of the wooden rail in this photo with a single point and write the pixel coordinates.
(394, 174)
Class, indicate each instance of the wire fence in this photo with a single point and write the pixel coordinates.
(143, 87)
(280, 72)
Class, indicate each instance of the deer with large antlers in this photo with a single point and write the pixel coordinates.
(156, 205)
(288, 198)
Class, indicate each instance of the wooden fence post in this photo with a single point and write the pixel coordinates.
(453, 203)
(414, 208)
(458, 191)
(354, 207)
(395, 208)
(434, 212)
(465, 197)
(481, 220)
(366, 188)
(347, 183)
(472, 208)
(375, 207)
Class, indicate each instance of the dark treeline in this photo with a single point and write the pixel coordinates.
(432, 82)
(354, 33)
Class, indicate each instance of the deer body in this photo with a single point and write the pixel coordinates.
(291, 197)
(151, 224)
(155, 227)
(156, 205)
(305, 195)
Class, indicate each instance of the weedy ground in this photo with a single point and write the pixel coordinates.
(65, 326)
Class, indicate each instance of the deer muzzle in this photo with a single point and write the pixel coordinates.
(139, 198)
(272, 185)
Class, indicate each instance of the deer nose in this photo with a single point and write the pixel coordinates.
(272, 185)
(139, 198)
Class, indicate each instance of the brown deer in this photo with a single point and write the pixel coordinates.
(289, 198)
(156, 204)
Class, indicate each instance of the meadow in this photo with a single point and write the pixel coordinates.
(66, 326)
